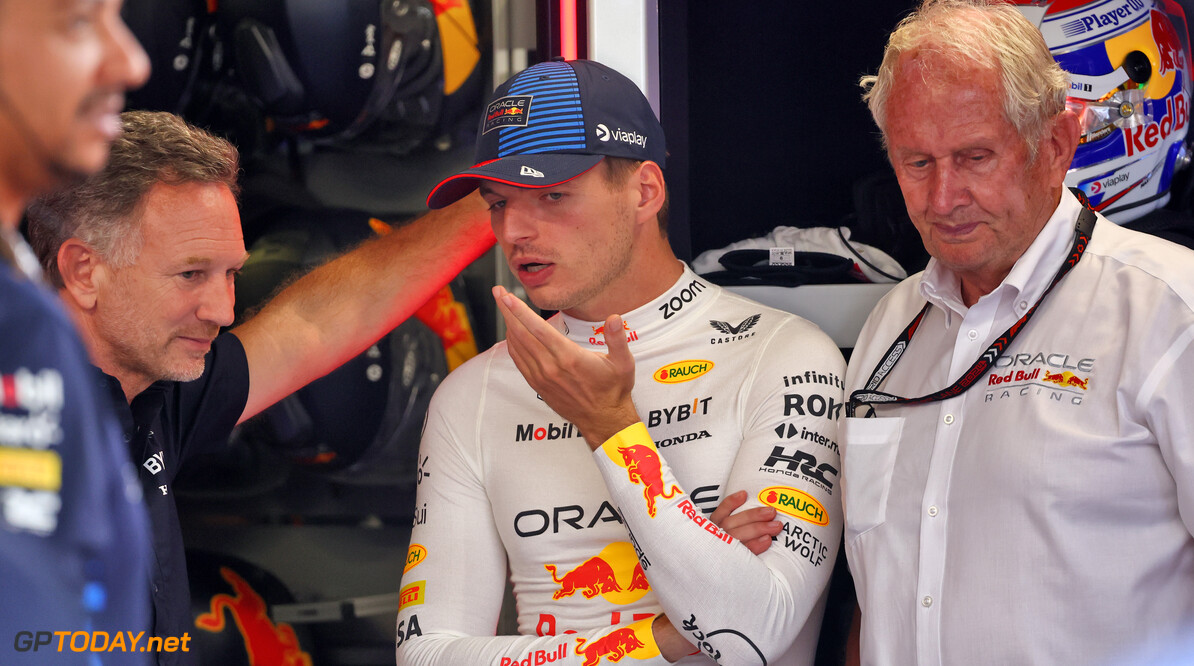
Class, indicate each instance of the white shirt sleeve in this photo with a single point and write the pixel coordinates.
(735, 606)
(451, 592)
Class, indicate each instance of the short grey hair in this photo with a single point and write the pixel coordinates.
(984, 34)
(104, 211)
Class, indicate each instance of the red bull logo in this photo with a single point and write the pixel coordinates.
(538, 657)
(1141, 138)
(413, 594)
(614, 573)
(1168, 47)
(682, 371)
(266, 644)
(1067, 379)
(634, 640)
(644, 468)
(795, 503)
(414, 556)
(598, 340)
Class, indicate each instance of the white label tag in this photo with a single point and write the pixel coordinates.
(782, 256)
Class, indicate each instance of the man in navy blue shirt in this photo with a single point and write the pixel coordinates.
(145, 255)
(73, 534)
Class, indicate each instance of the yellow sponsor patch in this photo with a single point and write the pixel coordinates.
(413, 594)
(25, 468)
(682, 371)
(795, 503)
(414, 557)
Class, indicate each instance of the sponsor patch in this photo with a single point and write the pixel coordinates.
(682, 371)
(35, 470)
(414, 556)
(413, 594)
(795, 503)
(511, 111)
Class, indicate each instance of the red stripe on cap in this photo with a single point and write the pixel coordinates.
(474, 176)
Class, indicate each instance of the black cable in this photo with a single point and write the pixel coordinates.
(854, 252)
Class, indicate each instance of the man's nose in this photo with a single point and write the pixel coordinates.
(216, 303)
(515, 224)
(126, 65)
(947, 189)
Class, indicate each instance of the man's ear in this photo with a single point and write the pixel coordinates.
(81, 268)
(1061, 144)
(651, 190)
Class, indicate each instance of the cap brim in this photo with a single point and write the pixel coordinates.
(535, 170)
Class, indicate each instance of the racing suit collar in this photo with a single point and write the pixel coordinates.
(686, 298)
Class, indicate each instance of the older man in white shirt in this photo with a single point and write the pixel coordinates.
(1023, 489)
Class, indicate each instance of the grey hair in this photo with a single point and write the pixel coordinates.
(983, 34)
(104, 211)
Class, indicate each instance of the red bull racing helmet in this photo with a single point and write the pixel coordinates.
(1128, 62)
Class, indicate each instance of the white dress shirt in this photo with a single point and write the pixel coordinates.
(1044, 516)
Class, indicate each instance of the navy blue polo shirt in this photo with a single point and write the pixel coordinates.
(166, 425)
(74, 540)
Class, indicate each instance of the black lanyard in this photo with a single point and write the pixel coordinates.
(1083, 229)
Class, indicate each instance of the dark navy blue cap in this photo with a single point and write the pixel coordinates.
(554, 121)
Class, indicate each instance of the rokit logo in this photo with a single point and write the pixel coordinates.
(605, 134)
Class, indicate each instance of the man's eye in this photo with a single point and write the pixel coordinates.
(554, 196)
(189, 275)
(497, 205)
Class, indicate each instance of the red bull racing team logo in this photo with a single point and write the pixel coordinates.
(614, 573)
(644, 468)
(634, 641)
(266, 643)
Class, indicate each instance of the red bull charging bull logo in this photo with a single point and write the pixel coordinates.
(266, 644)
(1066, 379)
(634, 641)
(614, 573)
(644, 468)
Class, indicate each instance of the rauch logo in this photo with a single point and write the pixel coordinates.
(795, 503)
(682, 371)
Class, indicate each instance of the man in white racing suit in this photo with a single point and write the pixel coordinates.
(607, 535)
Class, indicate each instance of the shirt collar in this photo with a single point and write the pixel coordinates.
(1029, 277)
(687, 298)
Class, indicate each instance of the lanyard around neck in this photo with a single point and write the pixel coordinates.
(1083, 229)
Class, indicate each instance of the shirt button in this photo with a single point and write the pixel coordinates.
(973, 334)
(933, 511)
(1023, 305)
(949, 419)
(926, 602)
